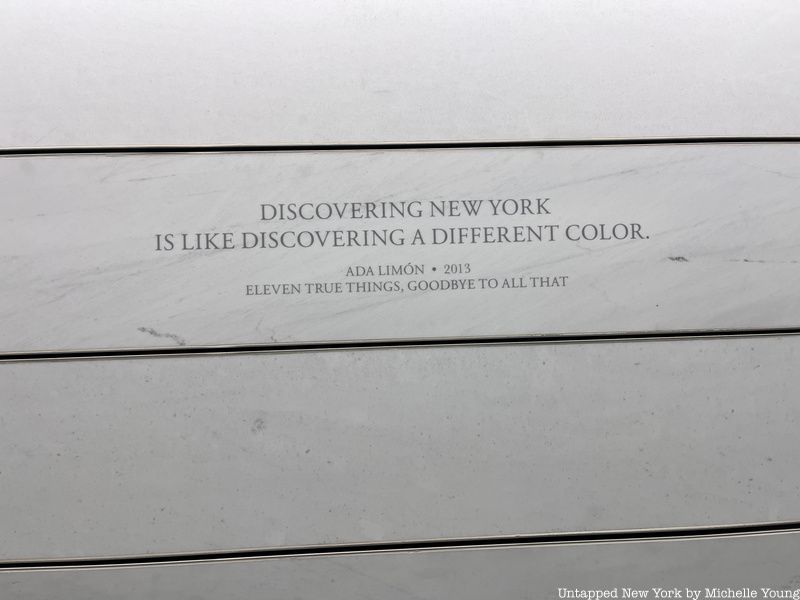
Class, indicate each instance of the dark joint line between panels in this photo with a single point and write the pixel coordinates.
(409, 546)
(154, 149)
(388, 344)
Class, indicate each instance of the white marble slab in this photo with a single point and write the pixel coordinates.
(298, 71)
(696, 238)
(727, 563)
(183, 454)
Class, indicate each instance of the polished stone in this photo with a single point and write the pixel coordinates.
(299, 71)
(138, 251)
(200, 453)
(727, 563)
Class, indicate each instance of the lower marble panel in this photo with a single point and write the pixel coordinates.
(201, 453)
(659, 569)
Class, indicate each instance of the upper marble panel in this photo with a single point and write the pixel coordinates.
(298, 71)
